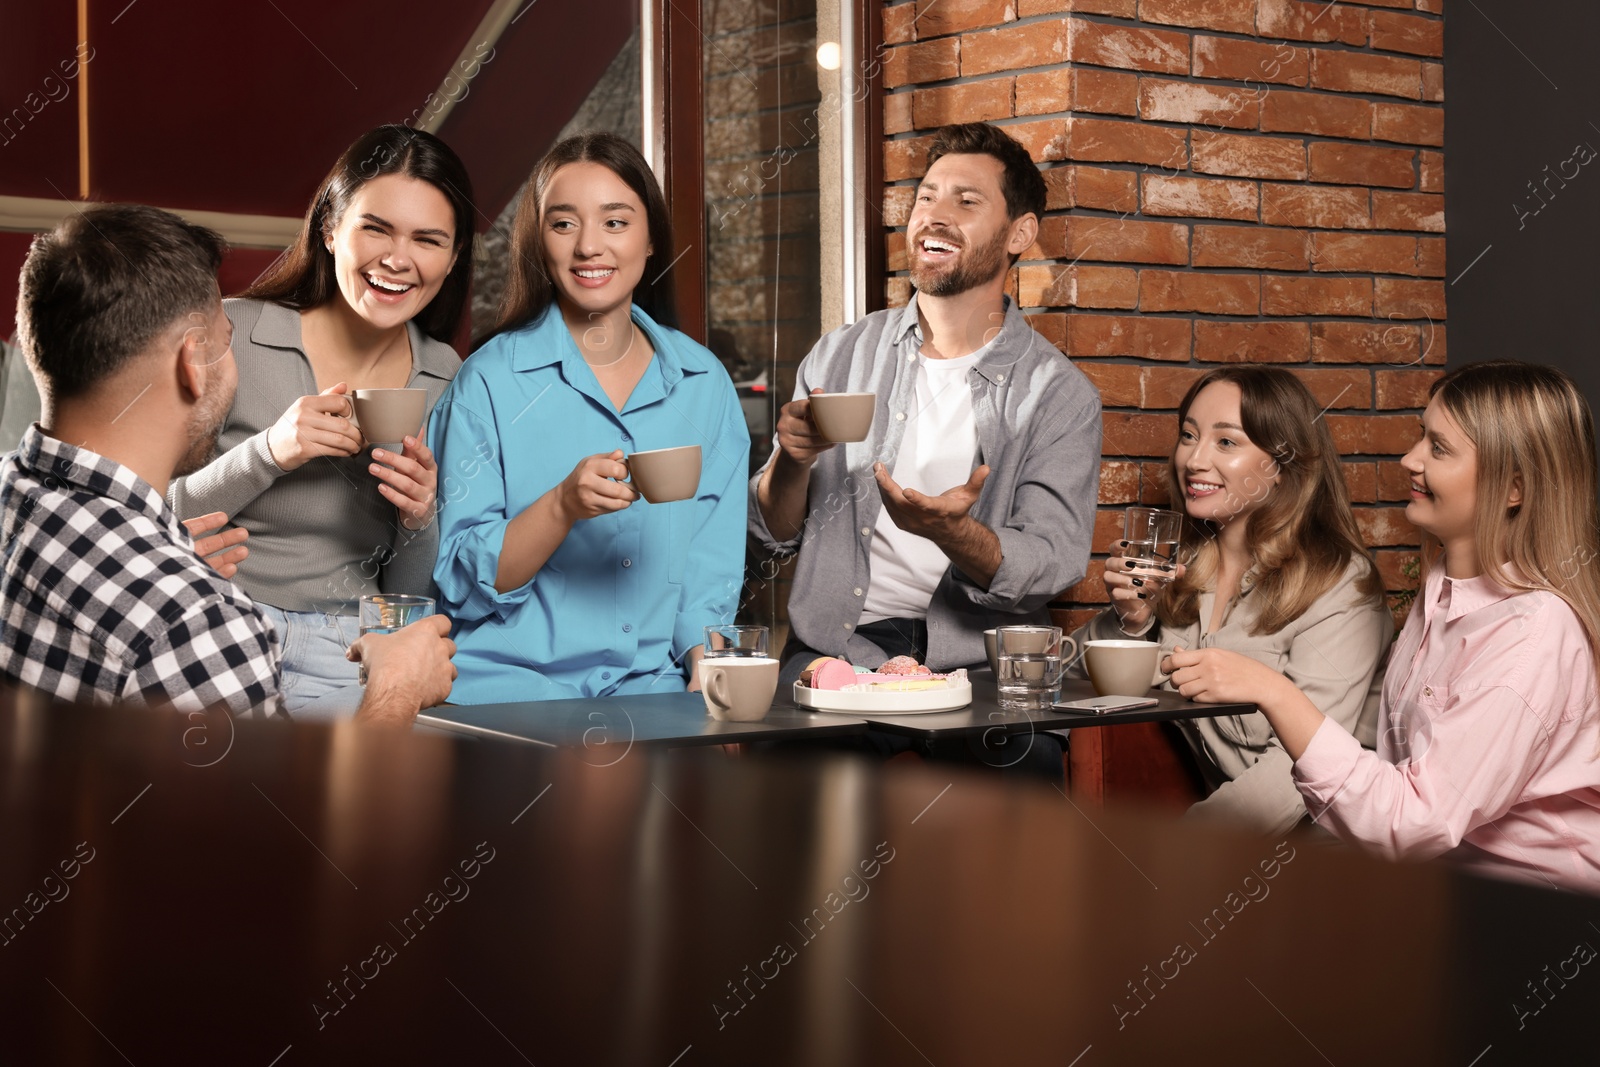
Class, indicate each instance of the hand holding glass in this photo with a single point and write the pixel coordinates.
(1153, 536)
(384, 613)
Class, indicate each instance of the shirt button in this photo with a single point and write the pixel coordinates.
(999, 377)
(627, 628)
(606, 675)
(857, 590)
(1427, 690)
(899, 416)
(627, 563)
(849, 626)
(866, 531)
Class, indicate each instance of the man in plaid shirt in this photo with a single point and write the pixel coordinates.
(103, 596)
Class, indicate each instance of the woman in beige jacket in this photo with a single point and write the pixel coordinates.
(1272, 568)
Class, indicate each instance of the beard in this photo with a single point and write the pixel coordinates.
(205, 426)
(976, 267)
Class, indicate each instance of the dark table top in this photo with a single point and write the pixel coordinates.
(612, 725)
(190, 890)
(985, 714)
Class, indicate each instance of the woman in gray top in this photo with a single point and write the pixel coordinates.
(369, 296)
(1275, 578)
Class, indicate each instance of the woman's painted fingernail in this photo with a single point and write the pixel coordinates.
(1122, 544)
(1138, 581)
(1144, 596)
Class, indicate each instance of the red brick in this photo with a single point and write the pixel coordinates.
(1433, 82)
(1397, 344)
(1105, 190)
(894, 251)
(1105, 92)
(1394, 32)
(1247, 156)
(929, 61)
(1432, 172)
(1408, 211)
(1230, 16)
(1363, 253)
(1361, 479)
(897, 201)
(1118, 383)
(1078, 286)
(1354, 164)
(1338, 388)
(1211, 294)
(1301, 21)
(1119, 483)
(1435, 7)
(1045, 139)
(1057, 188)
(1125, 240)
(1036, 44)
(1315, 206)
(1252, 342)
(1433, 344)
(899, 23)
(1155, 480)
(897, 113)
(1108, 141)
(1104, 45)
(1405, 388)
(1329, 116)
(1394, 481)
(1430, 257)
(905, 159)
(1210, 105)
(1119, 8)
(935, 18)
(1162, 388)
(1091, 590)
(1257, 247)
(1392, 565)
(1408, 124)
(1373, 435)
(1380, 526)
(1209, 198)
(1142, 336)
(897, 292)
(1045, 92)
(1359, 72)
(1396, 299)
(1287, 294)
(1251, 62)
(977, 101)
(1137, 435)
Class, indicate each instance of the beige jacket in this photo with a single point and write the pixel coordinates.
(1334, 652)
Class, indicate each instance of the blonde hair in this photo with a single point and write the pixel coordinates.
(1533, 428)
(1304, 535)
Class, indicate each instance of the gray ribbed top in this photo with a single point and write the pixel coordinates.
(319, 534)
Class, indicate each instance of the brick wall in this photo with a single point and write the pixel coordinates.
(1230, 181)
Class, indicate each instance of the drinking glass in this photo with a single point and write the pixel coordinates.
(384, 613)
(1030, 661)
(749, 642)
(1152, 536)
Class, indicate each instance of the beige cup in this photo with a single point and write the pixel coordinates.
(666, 474)
(1121, 668)
(389, 416)
(993, 651)
(843, 417)
(737, 689)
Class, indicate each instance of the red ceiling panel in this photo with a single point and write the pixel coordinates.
(38, 102)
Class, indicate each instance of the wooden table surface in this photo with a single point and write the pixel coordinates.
(190, 890)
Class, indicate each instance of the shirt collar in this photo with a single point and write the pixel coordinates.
(997, 361)
(1465, 594)
(546, 341)
(59, 464)
(279, 327)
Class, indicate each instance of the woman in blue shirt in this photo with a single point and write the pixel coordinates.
(562, 582)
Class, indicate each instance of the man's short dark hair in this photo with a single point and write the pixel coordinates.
(1021, 183)
(97, 289)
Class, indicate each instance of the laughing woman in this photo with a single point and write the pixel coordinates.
(1489, 730)
(561, 580)
(368, 296)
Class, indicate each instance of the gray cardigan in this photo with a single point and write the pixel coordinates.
(320, 536)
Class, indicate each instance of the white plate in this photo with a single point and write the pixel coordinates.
(922, 702)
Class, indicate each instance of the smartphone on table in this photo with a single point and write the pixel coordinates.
(1103, 705)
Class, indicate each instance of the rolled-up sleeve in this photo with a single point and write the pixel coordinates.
(473, 515)
(714, 571)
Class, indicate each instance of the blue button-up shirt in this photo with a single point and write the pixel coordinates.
(619, 604)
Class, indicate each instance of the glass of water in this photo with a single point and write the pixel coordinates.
(749, 642)
(1152, 536)
(384, 613)
(1030, 661)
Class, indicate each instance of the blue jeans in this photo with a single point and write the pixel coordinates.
(319, 684)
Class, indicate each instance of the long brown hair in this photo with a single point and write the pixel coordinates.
(303, 277)
(529, 288)
(1304, 535)
(1533, 428)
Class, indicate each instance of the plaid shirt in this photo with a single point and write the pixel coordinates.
(103, 599)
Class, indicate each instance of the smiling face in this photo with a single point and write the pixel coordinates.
(1443, 465)
(1222, 474)
(393, 248)
(596, 238)
(959, 236)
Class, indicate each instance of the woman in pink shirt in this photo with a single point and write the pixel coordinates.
(1489, 732)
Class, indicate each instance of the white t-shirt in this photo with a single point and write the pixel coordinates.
(936, 455)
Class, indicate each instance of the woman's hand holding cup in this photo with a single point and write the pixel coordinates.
(597, 486)
(409, 481)
(314, 426)
(1133, 587)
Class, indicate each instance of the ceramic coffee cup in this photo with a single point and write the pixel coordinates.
(666, 474)
(843, 417)
(389, 416)
(1121, 668)
(738, 689)
(993, 652)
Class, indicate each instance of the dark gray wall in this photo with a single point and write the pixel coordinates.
(1522, 94)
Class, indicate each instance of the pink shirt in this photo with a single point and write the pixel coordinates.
(1488, 741)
